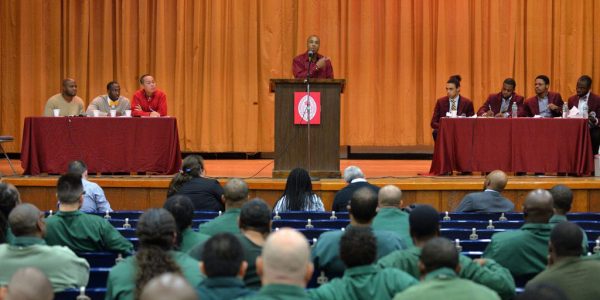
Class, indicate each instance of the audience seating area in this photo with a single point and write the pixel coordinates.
(459, 227)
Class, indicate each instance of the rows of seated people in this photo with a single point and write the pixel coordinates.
(374, 249)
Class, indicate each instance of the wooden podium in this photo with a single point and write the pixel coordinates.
(291, 140)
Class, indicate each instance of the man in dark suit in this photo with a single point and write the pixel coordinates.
(584, 95)
(355, 178)
(545, 103)
(499, 105)
(453, 102)
(490, 200)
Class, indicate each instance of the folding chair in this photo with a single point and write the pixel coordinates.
(5, 139)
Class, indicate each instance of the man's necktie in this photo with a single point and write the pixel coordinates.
(452, 104)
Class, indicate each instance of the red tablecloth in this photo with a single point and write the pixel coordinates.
(513, 145)
(104, 144)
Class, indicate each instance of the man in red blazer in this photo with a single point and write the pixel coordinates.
(584, 95)
(453, 102)
(501, 103)
(545, 103)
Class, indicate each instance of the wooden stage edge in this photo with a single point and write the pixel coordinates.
(442, 192)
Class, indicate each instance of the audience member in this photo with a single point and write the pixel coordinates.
(224, 266)
(390, 215)
(542, 291)
(112, 100)
(362, 279)
(149, 101)
(168, 286)
(182, 209)
(355, 178)
(156, 230)
(500, 105)
(567, 270)
(298, 194)
(9, 198)
(94, 200)
(205, 193)
(439, 264)
(524, 252)
(562, 199)
(284, 266)
(27, 284)
(79, 231)
(62, 267)
(424, 226)
(235, 194)
(320, 66)
(545, 103)
(491, 199)
(66, 101)
(362, 210)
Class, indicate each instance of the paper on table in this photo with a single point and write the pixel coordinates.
(574, 112)
(537, 116)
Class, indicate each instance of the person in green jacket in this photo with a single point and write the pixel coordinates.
(362, 210)
(440, 266)
(235, 194)
(77, 230)
(156, 230)
(284, 267)
(524, 252)
(390, 216)
(182, 209)
(168, 286)
(224, 266)
(576, 276)
(9, 198)
(424, 226)
(562, 197)
(362, 278)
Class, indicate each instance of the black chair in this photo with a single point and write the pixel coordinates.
(6, 139)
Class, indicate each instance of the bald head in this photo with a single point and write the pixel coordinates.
(538, 206)
(29, 284)
(285, 259)
(235, 192)
(390, 195)
(168, 286)
(25, 220)
(496, 181)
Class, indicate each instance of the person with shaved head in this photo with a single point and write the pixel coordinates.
(524, 252)
(284, 266)
(390, 216)
(491, 199)
(63, 268)
(168, 286)
(28, 284)
(66, 101)
(235, 194)
(562, 199)
(311, 62)
(567, 270)
(439, 265)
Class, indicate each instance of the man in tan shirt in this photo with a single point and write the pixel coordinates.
(67, 101)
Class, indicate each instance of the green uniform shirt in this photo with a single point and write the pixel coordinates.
(444, 284)
(10, 237)
(394, 220)
(365, 282)
(63, 268)
(524, 252)
(251, 252)
(82, 232)
(577, 277)
(326, 253)
(280, 292)
(558, 218)
(217, 288)
(227, 222)
(190, 238)
(491, 274)
(121, 279)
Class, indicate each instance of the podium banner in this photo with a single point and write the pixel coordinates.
(303, 105)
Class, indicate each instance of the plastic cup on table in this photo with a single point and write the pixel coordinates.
(113, 113)
(128, 112)
(56, 112)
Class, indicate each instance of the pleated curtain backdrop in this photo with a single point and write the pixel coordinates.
(214, 58)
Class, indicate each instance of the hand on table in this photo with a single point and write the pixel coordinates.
(154, 114)
(554, 107)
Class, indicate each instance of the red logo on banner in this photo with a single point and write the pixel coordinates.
(303, 105)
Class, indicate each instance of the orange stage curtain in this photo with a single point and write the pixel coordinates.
(214, 58)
